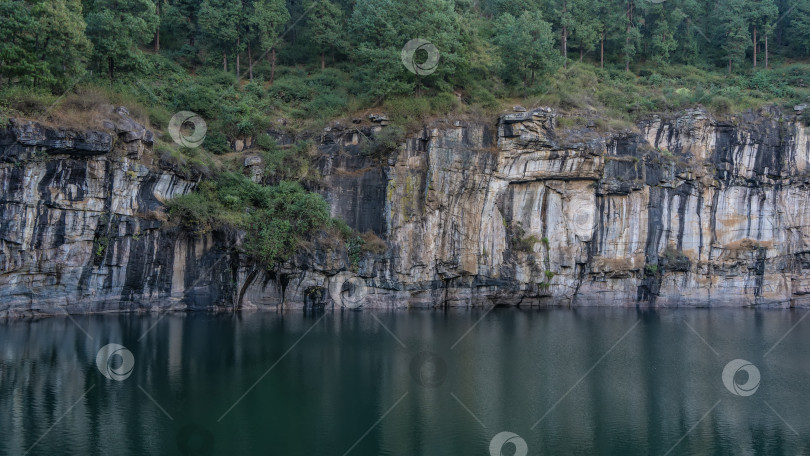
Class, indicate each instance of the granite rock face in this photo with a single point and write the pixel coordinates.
(679, 211)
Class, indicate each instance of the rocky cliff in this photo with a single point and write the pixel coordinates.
(538, 209)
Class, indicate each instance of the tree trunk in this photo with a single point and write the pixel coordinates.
(250, 63)
(627, 36)
(766, 51)
(225, 62)
(565, 36)
(729, 66)
(272, 66)
(238, 68)
(112, 67)
(602, 51)
(581, 52)
(755, 46)
(157, 30)
(323, 60)
(565, 46)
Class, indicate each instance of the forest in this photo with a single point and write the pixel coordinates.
(487, 47)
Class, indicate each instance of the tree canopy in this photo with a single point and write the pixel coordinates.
(49, 43)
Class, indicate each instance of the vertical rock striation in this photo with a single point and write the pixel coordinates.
(681, 211)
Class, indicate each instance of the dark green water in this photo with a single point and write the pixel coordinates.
(592, 381)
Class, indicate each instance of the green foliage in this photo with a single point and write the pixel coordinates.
(385, 142)
(355, 248)
(521, 242)
(490, 52)
(535, 56)
(380, 29)
(43, 42)
(278, 218)
(116, 28)
(290, 163)
(287, 216)
(326, 26)
(216, 142)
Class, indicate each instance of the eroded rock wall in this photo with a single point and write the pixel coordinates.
(681, 211)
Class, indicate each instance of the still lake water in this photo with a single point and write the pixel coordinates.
(589, 381)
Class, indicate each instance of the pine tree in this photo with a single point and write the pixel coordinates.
(116, 28)
(799, 28)
(60, 37)
(265, 20)
(762, 15)
(381, 28)
(733, 23)
(326, 26)
(43, 42)
(219, 21)
(18, 60)
(631, 32)
(535, 55)
(587, 29)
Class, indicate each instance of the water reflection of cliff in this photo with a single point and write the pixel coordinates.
(330, 386)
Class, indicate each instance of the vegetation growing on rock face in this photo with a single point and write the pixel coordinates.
(251, 66)
(277, 218)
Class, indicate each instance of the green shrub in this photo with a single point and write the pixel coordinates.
(216, 142)
(290, 216)
(327, 104)
(266, 142)
(385, 142)
(443, 103)
(408, 108)
(287, 163)
(483, 97)
(278, 218)
(195, 211)
(291, 89)
(354, 246)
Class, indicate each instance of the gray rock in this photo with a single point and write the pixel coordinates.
(252, 160)
(683, 211)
